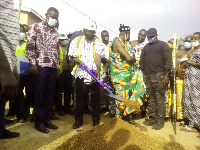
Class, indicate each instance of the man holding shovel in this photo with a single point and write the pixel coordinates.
(87, 50)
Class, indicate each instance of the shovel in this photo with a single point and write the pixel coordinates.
(131, 104)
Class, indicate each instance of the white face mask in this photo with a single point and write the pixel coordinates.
(195, 44)
(22, 36)
(52, 22)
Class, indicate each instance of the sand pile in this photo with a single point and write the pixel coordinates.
(117, 134)
(132, 105)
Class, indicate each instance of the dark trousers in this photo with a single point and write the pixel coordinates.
(2, 111)
(81, 91)
(66, 84)
(156, 90)
(44, 93)
(22, 106)
(102, 94)
(58, 97)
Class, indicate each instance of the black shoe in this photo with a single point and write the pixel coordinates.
(41, 128)
(61, 112)
(77, 124)
(52, 117)
(95, 123)
(26, 118)
(6, 134)
(32, 118)
(112, 115)
(158, 126)
(10, 114)
(50, 125)
(69, 111)
(8, 122)
(21, 120)
(149, 122)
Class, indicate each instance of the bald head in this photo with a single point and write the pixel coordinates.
(141, 35)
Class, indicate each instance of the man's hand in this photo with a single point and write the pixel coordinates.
(33, 70)
(97, 73)
(165, 80)
(183, 65)
(9, 85)
(16, 74)
(71, 66)
(58, 72)
(78, 61)
(82, 63)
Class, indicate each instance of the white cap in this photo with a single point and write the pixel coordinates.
(91, 26)
(62, 36)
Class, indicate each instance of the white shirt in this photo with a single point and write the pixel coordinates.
(86, 50)
(138, 51)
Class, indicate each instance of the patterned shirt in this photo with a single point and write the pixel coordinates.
(9, 30)
(43, 46)
(86, 50)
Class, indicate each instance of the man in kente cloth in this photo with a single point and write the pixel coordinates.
(125, 78)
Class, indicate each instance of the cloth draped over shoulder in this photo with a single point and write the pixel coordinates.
(191, 91)
(125, 79)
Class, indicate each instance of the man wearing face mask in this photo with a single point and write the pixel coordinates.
(66, 79)
(183, 51)
(191, 89)
(156, 63)
(13, 106)
(25, 81)
(105, 61)
(26, 29)
(87, 50)
(124, 76)
(44, 56)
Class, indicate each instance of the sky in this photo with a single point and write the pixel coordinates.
(167, 16)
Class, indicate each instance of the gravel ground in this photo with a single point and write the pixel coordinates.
(110, 134)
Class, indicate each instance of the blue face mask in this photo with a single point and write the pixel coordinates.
(151, 40)
(187, 45)
(63, 43)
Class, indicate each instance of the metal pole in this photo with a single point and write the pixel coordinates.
(174, 75)
(19, 9)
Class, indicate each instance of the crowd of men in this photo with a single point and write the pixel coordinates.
(133, 69)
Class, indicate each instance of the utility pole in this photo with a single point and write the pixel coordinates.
(19, 9)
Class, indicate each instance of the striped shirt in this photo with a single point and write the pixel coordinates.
(9, 30)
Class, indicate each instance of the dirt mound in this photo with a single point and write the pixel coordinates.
(132, 105)
(116, 134)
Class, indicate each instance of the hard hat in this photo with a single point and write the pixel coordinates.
(91, 26)
(62, 36)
